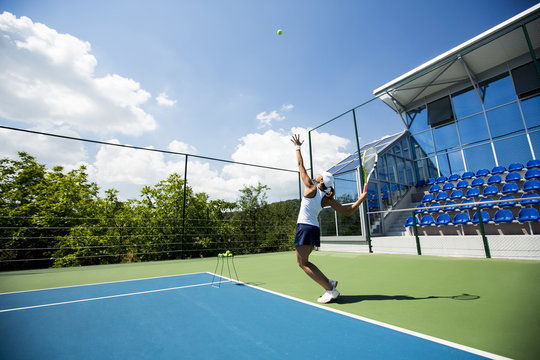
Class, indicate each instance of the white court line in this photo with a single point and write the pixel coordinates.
(379, 323)
(100, 283)
(104, 297)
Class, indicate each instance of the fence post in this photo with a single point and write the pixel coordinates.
(418, 249)
(365, 207)
(184, 211)
(484, 238)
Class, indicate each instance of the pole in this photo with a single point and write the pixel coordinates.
(184, 211)
(361, 168)
(484, 238)
(418, 249)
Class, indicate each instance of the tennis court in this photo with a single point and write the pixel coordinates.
(185, 316)
(148, 310)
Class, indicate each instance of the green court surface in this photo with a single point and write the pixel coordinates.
(419, 293)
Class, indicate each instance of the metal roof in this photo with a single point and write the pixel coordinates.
(462, 64)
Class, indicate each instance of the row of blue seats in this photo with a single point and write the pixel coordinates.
(509, 201)
(490, 190)
(462, 218)
(492, 180)
(497, 170)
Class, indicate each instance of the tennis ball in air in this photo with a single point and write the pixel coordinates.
(279, 32)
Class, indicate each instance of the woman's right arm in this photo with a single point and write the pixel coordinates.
(300, 160)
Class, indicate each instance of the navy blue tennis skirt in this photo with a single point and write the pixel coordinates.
(307, 235)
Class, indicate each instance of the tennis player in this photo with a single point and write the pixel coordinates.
(316, 196)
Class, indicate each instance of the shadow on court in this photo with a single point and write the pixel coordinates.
(350, 299)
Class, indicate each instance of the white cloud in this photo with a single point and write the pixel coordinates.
(48, 78)
(163, 100)
(287, 107)
(265, 119)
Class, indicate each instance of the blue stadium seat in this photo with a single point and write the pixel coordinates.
(466, 205)
(442, 196)
(486, 203)
(472, 193)
(456, 195)
(515, 167)
(462, 184)
(453, 177)
(434, 188)
(478, 182)
(509, 201)
(434, 207)
(485, 217)
(528, 214)
(503, 216)
(512, 177)
(461, 219)
(430, 181)
(448, 186)
(490, 190)
(510, 188)
(532, 174)
(529, 201)
(427, 220)
(498, 170)
(482, 172)
(440, 180)
(467, 175)
(427, 198)
(494, 180)
(531, 164)
(443, 219)
(531, 185)
(452, 206)
(409, 222)
(420, 209)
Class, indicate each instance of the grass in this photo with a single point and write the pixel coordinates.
(412, 292)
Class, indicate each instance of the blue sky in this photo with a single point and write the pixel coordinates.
(211, 77)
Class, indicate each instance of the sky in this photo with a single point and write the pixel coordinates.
(213, 78)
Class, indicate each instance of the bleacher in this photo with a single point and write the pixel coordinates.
(506, 198)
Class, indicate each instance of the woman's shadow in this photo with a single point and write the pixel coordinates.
(350, 299)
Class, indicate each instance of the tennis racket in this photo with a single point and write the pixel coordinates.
(369, 162)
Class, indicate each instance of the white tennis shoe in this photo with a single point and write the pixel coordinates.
(328, 296)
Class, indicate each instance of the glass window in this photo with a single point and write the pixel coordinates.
(473, 129)
(432, 167)
(327, 222)
(466, 103)
(346, 187)
(535, 141)
(405, 148)
(511, 150)
(425, 141)
(391, 162)
(451, 163)
(505, 120)
(381, 168)
(401, 170)
(479, 157)
(349, 225)
(385, 195)
(446, 137)
(531, 111)
(498, 91)
(397, 149)
(418, 120)
(410, 172)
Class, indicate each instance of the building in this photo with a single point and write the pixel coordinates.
(476, 106)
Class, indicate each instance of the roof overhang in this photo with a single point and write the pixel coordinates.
(465, 63)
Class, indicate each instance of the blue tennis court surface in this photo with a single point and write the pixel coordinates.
(185, 317)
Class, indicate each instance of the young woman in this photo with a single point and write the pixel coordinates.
(316, 196)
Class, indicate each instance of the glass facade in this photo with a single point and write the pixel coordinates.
(493, 126)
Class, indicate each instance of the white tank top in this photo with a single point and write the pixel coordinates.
(310, 209)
